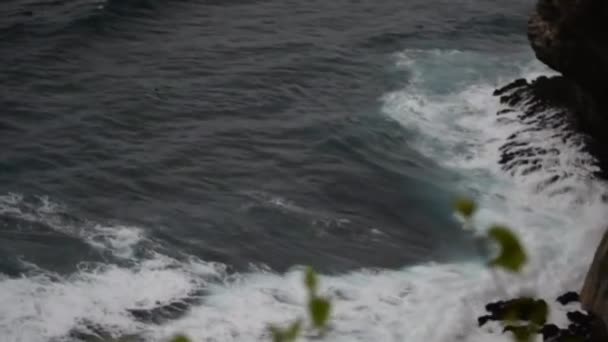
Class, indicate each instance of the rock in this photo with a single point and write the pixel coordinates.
(594, 295)
(549, 331)
(555, 104)
(482, 320)
(568, 36)
(568, 297)
(579, 318)
(511, 86)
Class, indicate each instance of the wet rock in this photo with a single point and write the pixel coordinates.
(594, 295)
(549, 331)
(568, 36)
(568, 297)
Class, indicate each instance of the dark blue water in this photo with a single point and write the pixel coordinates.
(237, 132)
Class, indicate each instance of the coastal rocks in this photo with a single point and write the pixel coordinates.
(569, 37)
(524, 317)
(568, 297)
(549, 104)
(569, 109)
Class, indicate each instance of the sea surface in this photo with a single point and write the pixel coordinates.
(170, 167)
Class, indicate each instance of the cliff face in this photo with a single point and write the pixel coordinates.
(594, 295)
(570, 37)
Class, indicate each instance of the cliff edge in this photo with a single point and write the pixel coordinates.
(571, 37)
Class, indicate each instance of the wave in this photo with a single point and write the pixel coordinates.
(449, 114)
(38, 216)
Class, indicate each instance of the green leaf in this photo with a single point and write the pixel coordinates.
(465, 207)
(512, 256)
(319, 311)
(523, 333)
(311, 281)
(286, 335)
(180, 338)
(527, 309)
(540, 313)
(278, 335)
(293, 331)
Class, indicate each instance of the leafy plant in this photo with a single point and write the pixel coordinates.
(180, 338)
(319, 310)
(288, 334)
(524, 316)
(512, 256)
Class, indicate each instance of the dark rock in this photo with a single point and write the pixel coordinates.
(568, 36)
(578, 330)
(495, 306)
(549, 331)
(481, 321)
(594, 295)
(558, 105)
(513, 85)
(568, 297)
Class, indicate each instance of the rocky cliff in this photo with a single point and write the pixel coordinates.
(571, 37)
(594, 295)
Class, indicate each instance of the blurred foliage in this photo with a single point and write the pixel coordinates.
(524, 316)
(512, 256)
(465, 207)
(180, 338)
(288, 334)
(311, 281)
(319, 310)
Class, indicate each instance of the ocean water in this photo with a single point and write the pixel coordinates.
(170, 166)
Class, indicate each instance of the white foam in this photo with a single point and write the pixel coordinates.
(41, 307)
(117, 239)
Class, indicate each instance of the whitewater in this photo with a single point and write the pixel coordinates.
(449, 112)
